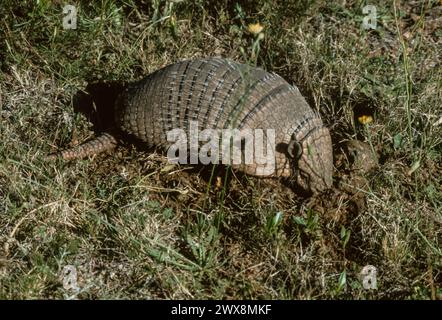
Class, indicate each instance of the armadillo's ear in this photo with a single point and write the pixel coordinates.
(294, 149)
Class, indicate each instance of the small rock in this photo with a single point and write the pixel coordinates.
(360, 155)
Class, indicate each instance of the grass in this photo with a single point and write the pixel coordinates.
(134, 226)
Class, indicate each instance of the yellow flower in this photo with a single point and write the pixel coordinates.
(255, 28)
(218, 183)
(365, 119)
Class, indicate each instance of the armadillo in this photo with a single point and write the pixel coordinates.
(217, 94)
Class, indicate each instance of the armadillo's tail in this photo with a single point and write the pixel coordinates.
(103, 142)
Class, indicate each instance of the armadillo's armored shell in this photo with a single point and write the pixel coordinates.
(219, 94)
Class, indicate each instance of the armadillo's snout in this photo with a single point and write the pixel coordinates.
(321, 183)
(315, 164)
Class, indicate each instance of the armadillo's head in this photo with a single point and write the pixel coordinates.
(313, 159)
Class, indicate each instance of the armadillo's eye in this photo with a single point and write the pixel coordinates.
(294, 149)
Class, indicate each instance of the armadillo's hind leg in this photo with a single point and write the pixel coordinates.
(103, 142)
